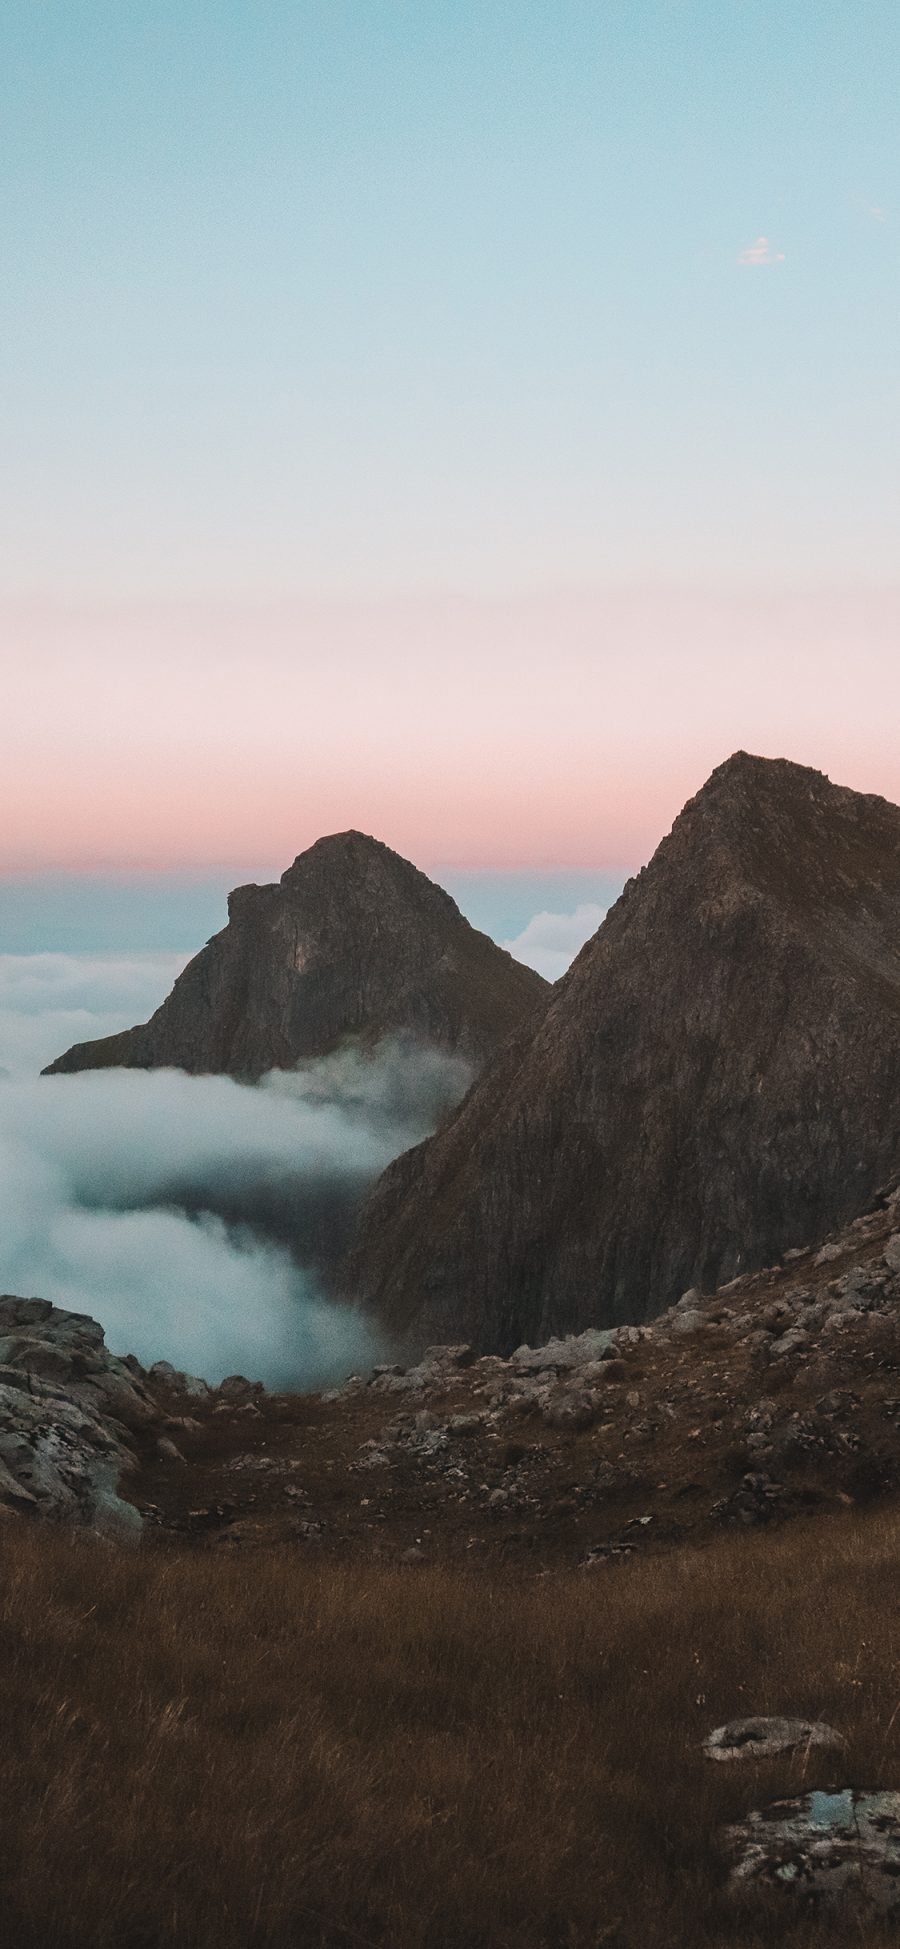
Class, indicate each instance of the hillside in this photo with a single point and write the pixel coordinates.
(716, 1079)
(774, 1397)
(396, 1621)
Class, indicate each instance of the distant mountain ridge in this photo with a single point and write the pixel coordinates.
(353, 940)
(716, 1078)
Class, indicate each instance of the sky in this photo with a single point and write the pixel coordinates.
(467, 422)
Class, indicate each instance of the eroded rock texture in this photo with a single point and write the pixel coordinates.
(71, 1416)
(717, 1079)
(353, 940)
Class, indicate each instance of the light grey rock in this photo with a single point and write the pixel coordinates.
(892, 1253)
(690, 1321)
(827, 1253)
(575, 1350)
(66, 1459)
(167, 1450)
(830, 1849)
(69, 1415)
(574, 1409)
(631, 1336)
(162, 1370)
(794, 1341)
(457, 1353)
(855, 1289)
(237, 1388)
(761, 1738)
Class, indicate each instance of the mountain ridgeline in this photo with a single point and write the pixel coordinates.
(352, 941)
(716, 1080)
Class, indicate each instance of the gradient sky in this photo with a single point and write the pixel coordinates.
(468, 421)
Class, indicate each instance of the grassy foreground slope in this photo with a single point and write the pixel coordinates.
(249, 1750)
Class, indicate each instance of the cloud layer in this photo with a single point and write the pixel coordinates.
(550, 941)
(49, 1001)
(111, 1182)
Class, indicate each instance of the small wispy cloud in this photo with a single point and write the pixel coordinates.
(760, 252)
(868, 212)
(550, 941)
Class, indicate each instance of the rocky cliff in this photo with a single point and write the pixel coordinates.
(353, 940)
(715, 1080)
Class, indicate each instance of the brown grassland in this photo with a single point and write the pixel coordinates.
(251, 1751)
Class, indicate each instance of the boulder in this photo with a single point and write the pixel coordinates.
(762, 1738)
(71, 1414)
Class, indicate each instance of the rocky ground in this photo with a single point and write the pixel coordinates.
(777, 1396)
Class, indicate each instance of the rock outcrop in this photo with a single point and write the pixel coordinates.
(775, 1397)
(70, 1414)
(716, 1080)
(352, 941)
(75, 1419)
(825, 1850)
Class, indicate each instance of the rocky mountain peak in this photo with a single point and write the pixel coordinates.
(717, 1078)
(353, 940)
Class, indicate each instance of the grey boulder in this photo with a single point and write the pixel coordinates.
(762, 1738)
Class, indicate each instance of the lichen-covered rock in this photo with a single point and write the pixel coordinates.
(824, 1848)
(762, 1738)
(575, 1350)
(70, 1415)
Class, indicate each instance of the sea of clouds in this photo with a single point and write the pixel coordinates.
(49, 1001)
(193, 1216)
(190, 1214)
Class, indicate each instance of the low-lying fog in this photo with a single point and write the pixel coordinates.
(190, 1215)
(140, 1198)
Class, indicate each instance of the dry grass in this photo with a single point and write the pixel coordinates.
(237, 1752)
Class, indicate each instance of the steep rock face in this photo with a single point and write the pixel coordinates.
(715, 1080)
(353, 940)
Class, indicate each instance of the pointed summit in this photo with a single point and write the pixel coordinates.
(717, 1078)
(353, 940)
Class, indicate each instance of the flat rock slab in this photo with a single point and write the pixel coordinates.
(760, 1738)
(823, 1847)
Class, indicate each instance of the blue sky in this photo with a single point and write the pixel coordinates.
(390, 295)
(77, 914)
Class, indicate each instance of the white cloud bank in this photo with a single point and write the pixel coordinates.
(550, 942)
(49, 1001)
(100, 1171)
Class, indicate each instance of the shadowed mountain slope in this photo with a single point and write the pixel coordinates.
(716, 1079)
(353, 940)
